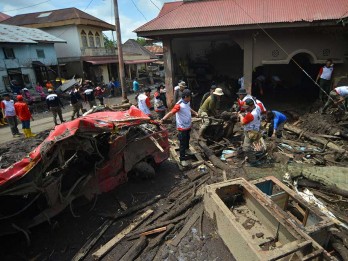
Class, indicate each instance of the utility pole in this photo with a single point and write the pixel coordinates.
(120, 54)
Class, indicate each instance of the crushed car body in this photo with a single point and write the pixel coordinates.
(83, 157)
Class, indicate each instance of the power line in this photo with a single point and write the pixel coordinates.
(155, 5)
(25, 7)
(292, 59)
(138, 10)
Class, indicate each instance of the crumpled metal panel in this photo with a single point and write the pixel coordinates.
(92, 123)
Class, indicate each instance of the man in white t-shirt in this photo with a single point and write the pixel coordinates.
(337, 97)
(324, 78)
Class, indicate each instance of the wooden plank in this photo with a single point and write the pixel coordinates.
(188, 225)
(154, 231)
(109, 245)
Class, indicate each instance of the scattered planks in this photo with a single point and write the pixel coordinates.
(135, 250)
(94, 237)
(313, 137)
(111, 243)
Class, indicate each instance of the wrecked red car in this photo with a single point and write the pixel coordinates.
(87, 156)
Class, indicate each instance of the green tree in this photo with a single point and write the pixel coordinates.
(141, 41)
(108, 43)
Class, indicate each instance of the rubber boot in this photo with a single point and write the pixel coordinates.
(25, 131)
(30, 134)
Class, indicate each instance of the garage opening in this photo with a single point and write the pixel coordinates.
(287, 82)
(201, 61)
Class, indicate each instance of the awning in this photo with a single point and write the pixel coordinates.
(38, 63)
(140, 61)
(106, 61)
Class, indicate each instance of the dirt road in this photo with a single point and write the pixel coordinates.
(44, 120)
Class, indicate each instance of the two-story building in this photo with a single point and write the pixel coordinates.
(84, 54)
(26, 55)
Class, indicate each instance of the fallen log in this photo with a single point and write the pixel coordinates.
(341, 250)
(211, 156)
(111, 243)
(135, 250)
(313, 137)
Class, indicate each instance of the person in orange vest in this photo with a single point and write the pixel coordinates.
(23, 113)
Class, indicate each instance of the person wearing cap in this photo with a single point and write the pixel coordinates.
(277, 120)
(8, 110)
(90, 97)
(144, 103)
(99, 94)
(242, 96)
(76, 101)
(208, 109)
(207, 94)
(251, 122)
(183, 113)
(178, 92)
(27, 96)
(23, 113)
(54, 105)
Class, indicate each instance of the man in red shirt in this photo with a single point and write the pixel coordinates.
(23, 113)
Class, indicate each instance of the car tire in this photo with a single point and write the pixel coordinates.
(144, 170)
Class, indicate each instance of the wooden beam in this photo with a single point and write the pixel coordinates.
(109, 245)
(168, 70)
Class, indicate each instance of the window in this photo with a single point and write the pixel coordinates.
(84, 39)
(40, 53)
(9, 54)
(97, 40)
(91, 39)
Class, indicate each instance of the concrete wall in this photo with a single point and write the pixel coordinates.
(25, 54)
(71, 35)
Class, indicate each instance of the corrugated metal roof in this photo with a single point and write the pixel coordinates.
(132, 46)
(18, 34)
(218, 13)
(155, 49)
(52, 16)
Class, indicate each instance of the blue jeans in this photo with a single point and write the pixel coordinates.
(26, 124)
(184, 138)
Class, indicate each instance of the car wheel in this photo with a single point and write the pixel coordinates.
(144, 170)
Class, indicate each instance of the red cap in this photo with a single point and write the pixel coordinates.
(19, 98)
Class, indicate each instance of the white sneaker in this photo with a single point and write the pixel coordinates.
(184, 163)
(189, 152)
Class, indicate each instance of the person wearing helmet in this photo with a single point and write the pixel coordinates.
(8, 110)
(23, 113)
(208, 109)
(251, 122)
(183, 112)
(54, 105)
(144, 103)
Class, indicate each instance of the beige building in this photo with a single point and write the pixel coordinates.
(223, 40)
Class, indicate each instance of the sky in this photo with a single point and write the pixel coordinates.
(130, 17)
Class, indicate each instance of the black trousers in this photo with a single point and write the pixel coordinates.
(184, 138)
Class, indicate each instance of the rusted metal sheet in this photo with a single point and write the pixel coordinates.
(255, 228)
(308, 218)
(222, 13)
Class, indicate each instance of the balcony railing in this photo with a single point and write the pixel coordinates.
(98, 51)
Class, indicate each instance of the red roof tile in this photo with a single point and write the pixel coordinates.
(218, 13)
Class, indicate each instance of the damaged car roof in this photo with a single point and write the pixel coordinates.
(92, 124)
